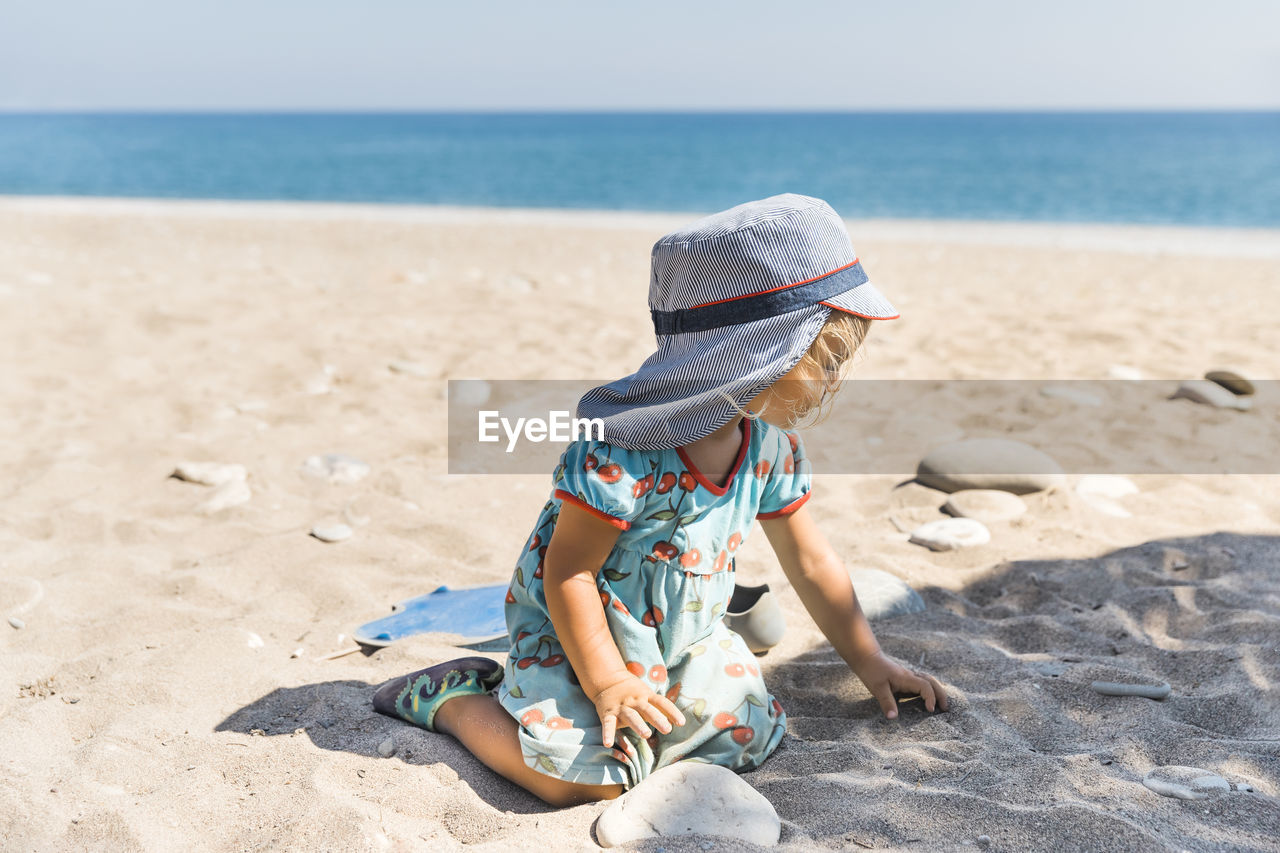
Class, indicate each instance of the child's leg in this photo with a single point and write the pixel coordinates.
(483, 726)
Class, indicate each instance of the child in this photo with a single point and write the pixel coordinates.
(620, 659)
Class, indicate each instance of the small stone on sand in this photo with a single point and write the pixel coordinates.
(986, 505)
(1232, 381)
(411, 368)
(1147, 691)
(690, 798)
(883, 596)
(209, 473)
(1185, 783)
(387, 748)
(17, 623)
(949, 534)
(1071, 394)
(227, 495)
(1210, 394)
(331, 532)
(989, 463)
(336, 468)
(255, 642)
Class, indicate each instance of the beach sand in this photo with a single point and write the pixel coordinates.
(152, 699)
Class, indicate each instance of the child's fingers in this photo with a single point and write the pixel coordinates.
(629, 717)
(669, 708)
(939, 692)
(884, 695)
(654, 716)
(608, 727)
(925, 689)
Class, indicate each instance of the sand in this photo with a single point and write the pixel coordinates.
(168, 688)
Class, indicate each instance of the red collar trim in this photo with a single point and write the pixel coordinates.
(703, 480)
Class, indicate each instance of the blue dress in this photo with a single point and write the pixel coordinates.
(664, 589)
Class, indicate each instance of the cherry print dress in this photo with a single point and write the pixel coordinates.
(664, 589)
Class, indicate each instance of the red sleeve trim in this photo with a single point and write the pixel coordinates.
(620, 523)
(789, 508)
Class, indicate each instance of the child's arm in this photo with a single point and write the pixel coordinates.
(578, 548)
(822, 582)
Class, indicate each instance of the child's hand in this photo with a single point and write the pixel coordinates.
(884, 677)
(628, 703)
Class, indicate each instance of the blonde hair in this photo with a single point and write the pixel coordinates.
(820, 369)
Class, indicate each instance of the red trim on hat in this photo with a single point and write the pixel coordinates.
(789, 508)
(620, 523)
(772, 289)
(702, 479)
(856, 314)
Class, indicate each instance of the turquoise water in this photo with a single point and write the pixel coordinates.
(1178, 168)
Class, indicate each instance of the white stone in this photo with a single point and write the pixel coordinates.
(227, 495)
(690, 798)
(883, 596)
(1106, 485)
(1124, 372)
(209, 473)
(411, 368)
(986, 505)
(948, 534)
(336, 468)
(1232, 381)
(1210, 394)
(331, 532)
(989, 463)
(255, 642)
(1071, 395)
(1185, 783)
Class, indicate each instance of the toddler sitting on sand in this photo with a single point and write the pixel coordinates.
(621, 662)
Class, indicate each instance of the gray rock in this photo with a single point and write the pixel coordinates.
(986, 505)
(209, 473)
(387, 748)
(884, 596)
(336, 468)
(331, 532)
(1210, 394)
(1232, 381)
(1147, 691)
(690, 798)
(1185, 783)
(949, 534)
(989, 463)
(233, 493)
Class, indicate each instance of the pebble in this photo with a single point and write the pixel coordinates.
(255, 642)
(1185, 783)
(1210, 394)
(387, 748)
(227, 495)
(883, 596)
(1111, 486)
(989, 463)
(1071, 395)
(411, 368)
(983, 840)
(986, 505)
(331, 532)
(949, 534)
(1049, 668)
(1124, 372)
(690, 798)
(17, 623)
(336, 468)
(1232, 381)
(1148, 691)
(209, 473)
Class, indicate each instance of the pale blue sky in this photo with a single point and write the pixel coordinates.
(653, 54)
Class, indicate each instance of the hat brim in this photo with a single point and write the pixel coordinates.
(863, 301)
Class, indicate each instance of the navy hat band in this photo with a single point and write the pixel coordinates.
(759, 306)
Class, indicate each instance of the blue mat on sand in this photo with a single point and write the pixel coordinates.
(477, 613)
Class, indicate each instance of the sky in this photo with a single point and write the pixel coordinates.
(648, 55)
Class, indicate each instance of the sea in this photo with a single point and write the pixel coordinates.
(1187, 168)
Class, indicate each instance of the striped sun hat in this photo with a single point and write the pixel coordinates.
(737, 298)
